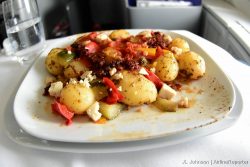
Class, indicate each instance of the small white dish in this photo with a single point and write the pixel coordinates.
(33, 114)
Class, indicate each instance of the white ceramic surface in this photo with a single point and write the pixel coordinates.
(32, 110)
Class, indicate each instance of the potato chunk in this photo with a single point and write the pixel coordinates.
(100, 92)
(166, 67)
(119, 34)
(75, 69)
(52, 62)
(179, 43)
(77, 97)
(192, 65)
(112, 54)
(136, 89)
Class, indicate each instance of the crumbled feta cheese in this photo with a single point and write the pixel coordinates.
(88, 75)
(93, 77)
(184, 102)
(167, 38)
(166, 92)
(93, 111)
(112, 71)
(55, 89)
(118, 76)
(176, 50)
(73, 81)
(69, 52)
(119, 88)
(146, 33)
(143, 71)
(85, 82)
(101, 37)
(152, 70)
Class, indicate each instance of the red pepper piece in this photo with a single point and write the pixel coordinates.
(92, 47)
(63, 111)
(152, 77)
(159, 52)
(112, 98)
(114, 95)
(117, 44)
(68, 122)
(92, 35)
(113, 44)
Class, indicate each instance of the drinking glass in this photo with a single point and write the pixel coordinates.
(24, 28)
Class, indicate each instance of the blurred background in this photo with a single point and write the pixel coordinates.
(66, 17)
(223, 22)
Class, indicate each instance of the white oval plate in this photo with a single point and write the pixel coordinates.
(33, 114)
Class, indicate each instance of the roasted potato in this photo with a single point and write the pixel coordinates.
(111, 54)
(167, 38)
(100, 92)
(166, 67)
(77, 97)
(192, 65)
(119, 34)
(179, 45)
(52, 62)
(136, 89)
(146, 34)
(64, 58)
(74, 69)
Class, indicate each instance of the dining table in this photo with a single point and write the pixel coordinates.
(226, 145)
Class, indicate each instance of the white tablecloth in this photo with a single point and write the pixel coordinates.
(231, 144)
